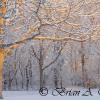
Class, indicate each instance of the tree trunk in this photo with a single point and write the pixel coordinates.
(41, 78)
(83, 62)
(2, 22)
(41, 64)
(1, 70)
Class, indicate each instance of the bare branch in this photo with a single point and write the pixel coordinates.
(59, 53)
(19, 42)
(34, 53)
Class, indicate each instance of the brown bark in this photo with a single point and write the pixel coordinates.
(2, 51)
(2, 55)
(83, 63)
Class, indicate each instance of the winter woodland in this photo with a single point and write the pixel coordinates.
(56, 43)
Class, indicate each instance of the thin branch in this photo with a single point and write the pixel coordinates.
(35, 53)
(59, 53)
(19, 42)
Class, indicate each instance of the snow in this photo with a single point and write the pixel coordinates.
(31, 95)
(19, 95)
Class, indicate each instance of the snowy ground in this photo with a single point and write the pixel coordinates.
(31, 95)
(19, 95)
